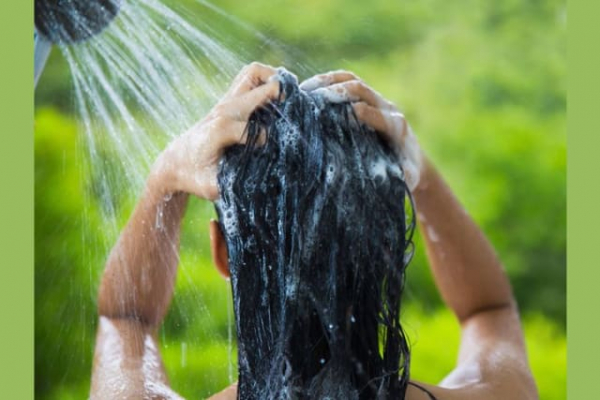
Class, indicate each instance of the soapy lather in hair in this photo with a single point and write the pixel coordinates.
(317, 219)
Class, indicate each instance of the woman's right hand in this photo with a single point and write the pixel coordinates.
(374, 110)
(190, 163)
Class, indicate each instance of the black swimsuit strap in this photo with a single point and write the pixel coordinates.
(431, 396)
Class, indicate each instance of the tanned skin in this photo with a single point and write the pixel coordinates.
(139, 277)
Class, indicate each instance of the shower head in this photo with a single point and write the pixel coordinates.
(67, 22)
(70, 21)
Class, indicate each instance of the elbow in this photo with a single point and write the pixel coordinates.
(508, 304)
(117, 302)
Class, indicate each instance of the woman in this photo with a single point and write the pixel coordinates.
(139, 277)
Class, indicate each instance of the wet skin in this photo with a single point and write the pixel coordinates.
(138, 281)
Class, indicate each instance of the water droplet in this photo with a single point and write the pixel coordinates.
(183, 354)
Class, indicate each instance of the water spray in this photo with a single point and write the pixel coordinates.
(68, 22)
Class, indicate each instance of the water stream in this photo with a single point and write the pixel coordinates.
(150, 76)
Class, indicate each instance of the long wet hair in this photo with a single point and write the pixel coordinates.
(318, 238)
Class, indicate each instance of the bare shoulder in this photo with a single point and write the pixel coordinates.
(492, 362)
(476, 391)
(500, 377)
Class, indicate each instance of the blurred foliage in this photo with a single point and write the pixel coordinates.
(483, 85)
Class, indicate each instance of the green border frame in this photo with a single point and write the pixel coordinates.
(16, 194)
(583, 191)
(16, 208)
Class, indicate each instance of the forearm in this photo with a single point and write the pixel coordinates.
(140, 272)
(465, 266)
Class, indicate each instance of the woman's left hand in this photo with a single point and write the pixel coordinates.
(375, 111)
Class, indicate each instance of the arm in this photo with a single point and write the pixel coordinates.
(465, 266)
(139, 276)
(135, 292)
(140, 272)
(492, 359)
(472, 282)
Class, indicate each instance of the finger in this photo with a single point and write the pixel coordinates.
(240, 108)
(226, 132)
(250, 77)
(229, 132)
(354, 91)
(330, 78)
(248, 68)
(396, 131)
(392, 125)
(411, 175)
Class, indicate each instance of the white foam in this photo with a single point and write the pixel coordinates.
(378, 169)
(316, 82)
(159, 219)
(338, 94)
(432, 234)
(411, 159)
(330, 174)
(228, 219)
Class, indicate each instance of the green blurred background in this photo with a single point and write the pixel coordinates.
(483, 85)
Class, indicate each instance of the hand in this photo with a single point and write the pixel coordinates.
(373, 110)
(190, 162)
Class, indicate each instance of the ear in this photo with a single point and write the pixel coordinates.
(218, 248)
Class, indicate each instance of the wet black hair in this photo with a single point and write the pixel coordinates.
(318, 238)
